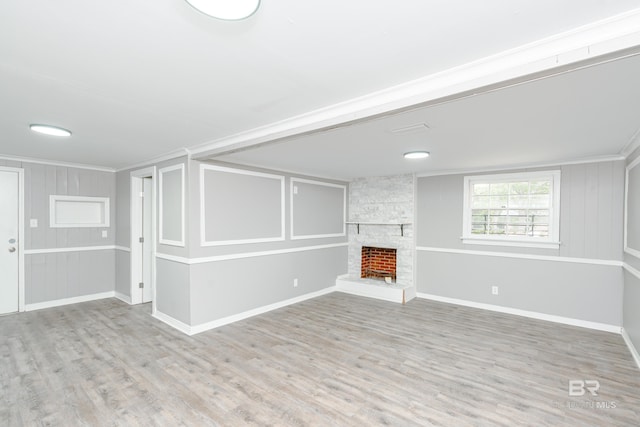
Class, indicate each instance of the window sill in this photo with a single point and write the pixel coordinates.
(510, 242)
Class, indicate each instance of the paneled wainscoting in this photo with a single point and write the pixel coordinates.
(334, 360)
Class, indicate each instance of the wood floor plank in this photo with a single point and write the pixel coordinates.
(337, 360)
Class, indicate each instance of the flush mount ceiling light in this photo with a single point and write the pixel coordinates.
(416, 155)
(229, 10)
(50, 130)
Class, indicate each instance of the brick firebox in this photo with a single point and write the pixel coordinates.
(378, 263)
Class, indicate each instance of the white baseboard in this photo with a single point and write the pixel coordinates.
(123, 297)
(632, 348)
(175, 323)
(67, 301)
(524, 313)
(256, 311)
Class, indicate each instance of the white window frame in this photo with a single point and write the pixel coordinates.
(550, 242)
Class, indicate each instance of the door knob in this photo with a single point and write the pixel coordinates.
(12, 249)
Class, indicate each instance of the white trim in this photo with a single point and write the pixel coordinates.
(174, 323)
(509, 242)
(162, 240)
(136, 185)
(21, 239)
(122, 297)
(73, 249)
(631, 251)
(216, 258)
(397, 293)
(67, 301)
(632, 145)
(55, 163)
(632, 348)
(631, 270)
(607, 262)
(550, 242)
(103, 202)
(550, 55)
(180, 152)
(319, 183)
(203, 240)
(524, 313)
(122, 248)
(257, 311)
(522, 166)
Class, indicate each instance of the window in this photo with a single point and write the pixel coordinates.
(512, 209)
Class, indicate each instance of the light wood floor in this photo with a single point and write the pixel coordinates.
(335, 360)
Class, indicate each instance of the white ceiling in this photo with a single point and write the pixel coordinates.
(137, 79)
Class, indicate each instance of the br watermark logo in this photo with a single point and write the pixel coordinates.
(588, 389)
(580, 387)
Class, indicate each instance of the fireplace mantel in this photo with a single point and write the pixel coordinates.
(400, 224)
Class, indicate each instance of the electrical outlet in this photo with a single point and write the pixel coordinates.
(104, 234)
(295, 283)
(33, 223)
(494, 290)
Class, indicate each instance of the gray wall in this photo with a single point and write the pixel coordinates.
(631, 309)
(226, 287)
(318, 209)
(590, 227)
(54, 276)
(173, 290)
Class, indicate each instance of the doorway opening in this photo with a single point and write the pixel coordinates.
(143, 236)
(11, 240)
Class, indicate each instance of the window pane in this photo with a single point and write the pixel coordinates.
(497, 229)
(519, 188)
(500, 188)
(480, 189)
(499, 202)
(518, 201)
(540, 187)
(479, 202)
(539, 201)
(520, 208)
(517, 230)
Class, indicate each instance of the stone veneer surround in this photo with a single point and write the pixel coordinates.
(387, 199)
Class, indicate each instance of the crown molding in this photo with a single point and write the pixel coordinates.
(587, 43)
(597, 159)
(55, 163)
(632, 145)
(180, 152)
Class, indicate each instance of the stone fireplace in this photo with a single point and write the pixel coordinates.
(381, 215)
(378, 263)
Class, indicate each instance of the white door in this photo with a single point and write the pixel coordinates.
(147, 245)
(9, 242)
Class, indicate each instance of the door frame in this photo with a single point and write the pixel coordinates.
(137, 177)
(21, 292)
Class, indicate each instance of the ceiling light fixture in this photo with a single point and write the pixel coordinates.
(229, 10)
(416, 155)
(50, 130)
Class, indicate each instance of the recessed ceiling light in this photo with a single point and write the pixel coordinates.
(50, 130)
(416, 155)
(230, 10)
